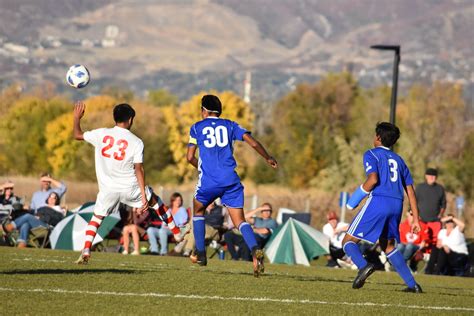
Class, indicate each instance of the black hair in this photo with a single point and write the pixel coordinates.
(58, 199)
(211, 103)
(388, 133)
(123, 112)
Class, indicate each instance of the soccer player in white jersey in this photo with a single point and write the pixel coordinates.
(118, 165)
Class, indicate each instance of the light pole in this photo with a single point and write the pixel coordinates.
(396, 62)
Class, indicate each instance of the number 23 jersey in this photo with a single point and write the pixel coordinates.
(215, 139)
(392, 172)
(116, 151)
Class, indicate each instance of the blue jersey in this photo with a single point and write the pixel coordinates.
(215, 139)
(392, 172)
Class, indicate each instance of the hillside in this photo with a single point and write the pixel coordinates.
(142, 44)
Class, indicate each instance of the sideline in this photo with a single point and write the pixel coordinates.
(236, 298)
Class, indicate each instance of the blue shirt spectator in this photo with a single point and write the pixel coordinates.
(269, 223)
(48, 185)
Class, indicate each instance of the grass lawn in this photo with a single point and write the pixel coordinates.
(42, 282)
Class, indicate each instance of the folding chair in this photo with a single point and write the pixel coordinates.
(39, 236)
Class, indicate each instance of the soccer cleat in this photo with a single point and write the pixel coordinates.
(180, 236)
(363, 274)
(199, 258)
(84, 257)
(416, 289)
(258, 267)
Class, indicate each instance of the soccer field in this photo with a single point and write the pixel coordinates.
(48, 282)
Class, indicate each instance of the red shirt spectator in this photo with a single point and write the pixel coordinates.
(406, 236)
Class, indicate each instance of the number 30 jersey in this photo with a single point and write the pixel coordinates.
(215, 139)
(116, 151)
(391, 169)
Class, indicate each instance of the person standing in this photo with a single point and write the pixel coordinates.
(118, 165)
(431, 199)
(217, 177)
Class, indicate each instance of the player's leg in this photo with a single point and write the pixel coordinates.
(400, 265)
(105, 203)
(199, 227)
(233, 198)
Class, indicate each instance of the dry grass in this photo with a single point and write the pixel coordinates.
(312, 200)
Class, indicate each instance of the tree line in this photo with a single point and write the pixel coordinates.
(318, 133)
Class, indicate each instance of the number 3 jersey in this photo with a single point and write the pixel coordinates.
(391, 169)
(116, 151)
(215, 137)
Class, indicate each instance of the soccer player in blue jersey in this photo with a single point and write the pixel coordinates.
(217, 177)
(387, 179)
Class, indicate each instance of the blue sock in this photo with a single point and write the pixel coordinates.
(352, 250)
(247, 233)
(199, 231)
(397, 261)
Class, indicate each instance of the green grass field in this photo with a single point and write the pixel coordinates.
(48, 282)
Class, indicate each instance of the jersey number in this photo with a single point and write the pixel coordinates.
(215, 136)
(119, 154)
(393, 170)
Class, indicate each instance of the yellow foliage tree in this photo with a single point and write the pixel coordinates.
(181, 119)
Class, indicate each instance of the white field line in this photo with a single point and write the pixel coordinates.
(235, 298)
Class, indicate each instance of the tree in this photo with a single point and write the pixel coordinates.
(161, 97)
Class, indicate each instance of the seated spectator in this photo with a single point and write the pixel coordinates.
(24, 224)
(215, 219)
(410, 243)
(335, 230)
(453, 253)
(131, 227)
(48, 185)
(52, 213)
(181, 218)
(263, 227)
(8, 199)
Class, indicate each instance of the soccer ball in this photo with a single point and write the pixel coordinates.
(77, 76)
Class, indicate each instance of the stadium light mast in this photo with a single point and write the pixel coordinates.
(396, 62)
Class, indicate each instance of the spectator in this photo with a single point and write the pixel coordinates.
(453, 253)
(8, 199)
(23, 224)
(432, 204)
(47, 183)
(132, 228)
(215, 219)
(335, 231)
(410, 243)
(263, 227)
(181, 218)
(52, 213)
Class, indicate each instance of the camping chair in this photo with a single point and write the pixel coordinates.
(39, 236)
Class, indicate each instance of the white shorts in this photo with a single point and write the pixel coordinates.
(107, 202)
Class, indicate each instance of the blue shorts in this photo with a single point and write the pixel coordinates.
(379, 218)
(231, 196)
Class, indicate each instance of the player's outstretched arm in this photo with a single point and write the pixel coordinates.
(255, 144)
(191, 156)
(79, 109)
(415, 226)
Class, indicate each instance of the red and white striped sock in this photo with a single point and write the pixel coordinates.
(165, 214)
(91, 230)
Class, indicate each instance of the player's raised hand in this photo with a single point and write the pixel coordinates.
(272, 162)
(79, 109)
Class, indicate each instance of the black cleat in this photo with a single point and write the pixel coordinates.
(199, 258)
(416, 289)
(363, 274)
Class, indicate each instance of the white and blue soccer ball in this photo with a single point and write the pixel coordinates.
(78, 76)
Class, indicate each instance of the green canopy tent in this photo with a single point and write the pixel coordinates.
(296, 243)
(69, 233)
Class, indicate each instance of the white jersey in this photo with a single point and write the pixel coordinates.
(116, 151)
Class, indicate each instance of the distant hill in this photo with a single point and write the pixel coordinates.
(141, 44)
